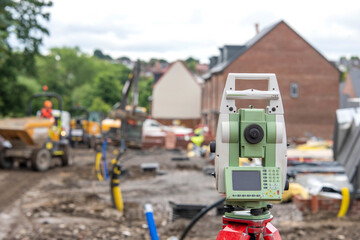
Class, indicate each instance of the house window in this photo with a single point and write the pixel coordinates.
(294, 90)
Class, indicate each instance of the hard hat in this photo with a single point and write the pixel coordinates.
(47, 104)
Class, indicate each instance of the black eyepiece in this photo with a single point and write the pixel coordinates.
(254, 133)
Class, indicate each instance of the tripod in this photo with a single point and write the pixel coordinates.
(244, 229)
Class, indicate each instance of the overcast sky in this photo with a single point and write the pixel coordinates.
(178, 29)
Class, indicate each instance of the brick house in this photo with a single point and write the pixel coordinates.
(308, 82)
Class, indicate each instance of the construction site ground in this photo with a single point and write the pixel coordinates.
(70, 203)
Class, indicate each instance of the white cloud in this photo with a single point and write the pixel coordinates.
(178, 29)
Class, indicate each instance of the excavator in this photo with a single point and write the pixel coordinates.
(126, 120)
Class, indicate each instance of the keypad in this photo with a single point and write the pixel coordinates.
(271, 181)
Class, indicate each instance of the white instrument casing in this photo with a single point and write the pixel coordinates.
(228, 106)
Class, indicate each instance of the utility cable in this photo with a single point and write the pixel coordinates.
(199, 216)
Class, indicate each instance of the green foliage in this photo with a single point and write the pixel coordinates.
(65, 68)
(99, 105)
(343, 76)
(145, 91)
(154, 60)
(82, 95)
(78, 78)
(30, 84)
(191, 63)
(108, 87)
(19, 20)
(124, 58)
(99, 54)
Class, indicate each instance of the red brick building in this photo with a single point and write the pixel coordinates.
(308, 81)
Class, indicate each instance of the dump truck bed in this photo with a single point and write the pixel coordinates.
(31, 131)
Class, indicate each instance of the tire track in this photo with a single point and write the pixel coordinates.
(14, 183)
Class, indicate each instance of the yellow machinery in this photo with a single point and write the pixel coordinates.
(85, 127)
(108, 123)
(34, 139)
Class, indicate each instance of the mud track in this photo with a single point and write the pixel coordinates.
(15, 182)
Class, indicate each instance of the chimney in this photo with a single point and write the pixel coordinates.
(213, 61)
(221, 57)
(257, 28)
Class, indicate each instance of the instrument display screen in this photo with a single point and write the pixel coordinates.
(246, 180)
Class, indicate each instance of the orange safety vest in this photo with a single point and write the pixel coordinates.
(46, 113)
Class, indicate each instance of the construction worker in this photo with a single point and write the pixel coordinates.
(46, 111)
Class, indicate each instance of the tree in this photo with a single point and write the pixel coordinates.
(74, 75)
(108, 88)
(99, 105)
(354, 58)
(82, 95)
(66, 68)
(191, 63)
(145, 91)
(154, 60)
(124, 58)
(99, 54)
(20, 21)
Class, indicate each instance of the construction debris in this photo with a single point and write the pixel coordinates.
(150, 167)
(347, 141)
(70, 203)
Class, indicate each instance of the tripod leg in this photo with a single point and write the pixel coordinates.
(271, 233)
(254, 237)
(233, 232)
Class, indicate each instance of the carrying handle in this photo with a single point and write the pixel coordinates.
(252, 94)
(272, 94)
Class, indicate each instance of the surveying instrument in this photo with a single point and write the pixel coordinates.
(250, 133)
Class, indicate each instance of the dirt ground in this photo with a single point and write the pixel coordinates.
(70, 203)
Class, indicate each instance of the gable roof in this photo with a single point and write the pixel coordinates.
(242, 48)
(355, 80)
(185, 67)
(350, 88)
(223, 65)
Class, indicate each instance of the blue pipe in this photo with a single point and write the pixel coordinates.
(123, 146)
(106, 173)
(151, 222)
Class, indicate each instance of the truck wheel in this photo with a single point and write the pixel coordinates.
(66, 156)
(5, 162)
(41, 160)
